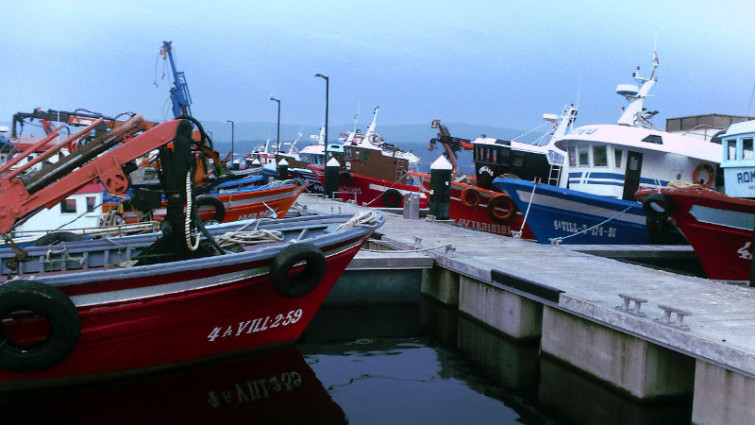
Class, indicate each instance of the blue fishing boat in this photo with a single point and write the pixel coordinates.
(559, 215)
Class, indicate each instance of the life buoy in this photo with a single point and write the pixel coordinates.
(470, 197)
(17, 352)
(215, 203)
(708, 171)
(392, 198)
(305, 280)
(501, 208)
(344, 177)
(657, 206)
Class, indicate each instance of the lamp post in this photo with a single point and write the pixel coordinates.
(278, 138)
(233, 126)
(327, 90)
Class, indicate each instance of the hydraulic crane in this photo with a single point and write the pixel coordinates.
(108, 157)
(451, 144)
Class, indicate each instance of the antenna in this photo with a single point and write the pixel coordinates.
(749, 107)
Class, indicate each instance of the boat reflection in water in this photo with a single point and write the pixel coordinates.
(276, 387)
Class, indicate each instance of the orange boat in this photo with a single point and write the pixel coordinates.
(246, 203)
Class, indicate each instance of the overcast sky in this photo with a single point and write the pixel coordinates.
(500, 63)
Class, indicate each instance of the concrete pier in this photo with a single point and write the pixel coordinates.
(648, 333)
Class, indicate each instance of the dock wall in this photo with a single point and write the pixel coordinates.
(649, 334)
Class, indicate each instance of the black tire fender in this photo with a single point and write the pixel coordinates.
(658, 206)
(344, 177)
(305, 280)
(217, 204)
(392, 198)
(61, 315)
(53, 238)
(501, 202)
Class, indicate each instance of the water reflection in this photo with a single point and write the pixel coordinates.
(587, 401)
(276, 387)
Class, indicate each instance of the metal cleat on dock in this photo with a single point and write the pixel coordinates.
(450, 249)
(417, 241)
(666, 319)
(630, 308)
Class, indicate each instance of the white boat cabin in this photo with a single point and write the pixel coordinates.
(614, 160)
(738, 161)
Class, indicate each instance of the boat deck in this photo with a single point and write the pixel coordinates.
(709, 320)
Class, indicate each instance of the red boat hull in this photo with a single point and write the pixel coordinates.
(136, 324)
(712, 224)
(478, 215)
(371, 192)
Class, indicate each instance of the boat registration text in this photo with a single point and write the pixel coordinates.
(259, 324)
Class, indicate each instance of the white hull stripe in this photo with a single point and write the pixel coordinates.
(140, 294)
(725, 218)
(381, 188)
(579, 207)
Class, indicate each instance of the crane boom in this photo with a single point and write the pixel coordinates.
(179, 93)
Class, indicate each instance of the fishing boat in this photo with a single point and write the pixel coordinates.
(103, 308)
(718, 226)
(481, 205)
(374, 173)
(222, 206)
(606, 165)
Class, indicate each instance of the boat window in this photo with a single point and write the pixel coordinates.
(599, 156)
(495, 156)
(747, 152)
(653, 138)
(617, 154)
(68, 206)
(583, 156)
(356, 155)
(731, 150)
(572, 156)
(366, 156)
(91, 203)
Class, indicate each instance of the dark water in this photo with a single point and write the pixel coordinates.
(412, 364)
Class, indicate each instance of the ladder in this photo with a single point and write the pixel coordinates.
(554, 175)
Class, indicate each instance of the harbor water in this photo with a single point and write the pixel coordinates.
(419, 363)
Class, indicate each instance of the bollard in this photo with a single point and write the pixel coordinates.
(282, 169)
(440, 188)
(330, 181)
(411, 205)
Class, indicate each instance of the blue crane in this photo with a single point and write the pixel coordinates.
(179, 93)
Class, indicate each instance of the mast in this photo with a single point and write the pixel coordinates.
(635, 111)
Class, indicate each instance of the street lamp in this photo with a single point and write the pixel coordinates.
(278, 139)
(233, 125)
(327, 90)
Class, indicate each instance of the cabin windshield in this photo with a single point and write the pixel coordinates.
(747, 149)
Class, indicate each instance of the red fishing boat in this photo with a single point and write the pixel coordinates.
(718, 227)
(103, 308)
(481, 209)
(371, 191)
